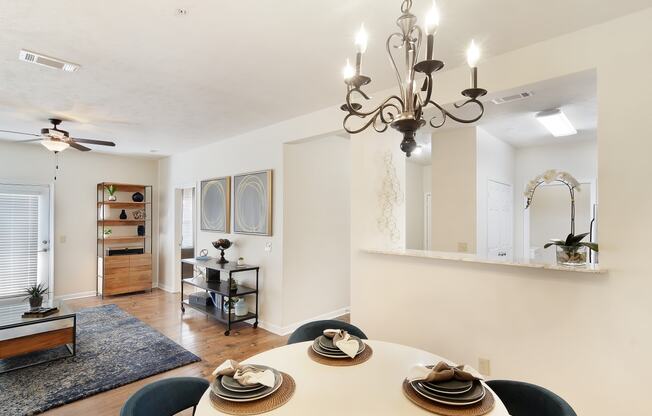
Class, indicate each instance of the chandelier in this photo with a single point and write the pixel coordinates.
(404, 112)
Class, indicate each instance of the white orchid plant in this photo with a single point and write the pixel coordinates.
(573, 185)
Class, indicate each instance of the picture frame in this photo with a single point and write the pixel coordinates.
(215, 205)
(252, 203)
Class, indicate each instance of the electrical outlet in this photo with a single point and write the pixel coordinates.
(62, 239)
(268, 247)
(462, 247)
(484, 366)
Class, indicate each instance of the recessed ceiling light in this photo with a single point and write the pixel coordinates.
(182, 12)
(556, 122)
(153, 151)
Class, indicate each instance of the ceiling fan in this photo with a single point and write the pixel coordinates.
(57, 140)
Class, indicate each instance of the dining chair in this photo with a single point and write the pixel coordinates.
(166, 397)
(525, 399)
(311, 330)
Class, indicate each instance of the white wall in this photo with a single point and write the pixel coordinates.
(414, 190)
(454, 189)
(580, 159)
(75, 212)
(495, 162)
(587, 337)
(317, 230)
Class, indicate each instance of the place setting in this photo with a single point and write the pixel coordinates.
(448, 390)
(249, 389)
(337, 347)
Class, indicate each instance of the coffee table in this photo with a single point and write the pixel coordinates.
(20, 336)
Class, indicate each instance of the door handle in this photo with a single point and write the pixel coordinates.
(45, 250)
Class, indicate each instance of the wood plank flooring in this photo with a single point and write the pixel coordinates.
(197, 333)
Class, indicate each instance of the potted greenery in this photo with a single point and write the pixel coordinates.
(111, 189)
(229, 303)
(107, 232)
(572, 251)
(35, 295)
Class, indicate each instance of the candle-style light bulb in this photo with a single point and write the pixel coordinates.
(472, 58)
(361, 39)
(348, 72)
(473, 55)
(432, 23)
(432, 19)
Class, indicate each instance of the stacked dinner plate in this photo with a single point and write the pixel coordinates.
(324, 346)
(452, 392)
(227, 388)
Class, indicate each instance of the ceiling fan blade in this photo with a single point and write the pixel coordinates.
(90, 141)
(78, 146)
(20, 132)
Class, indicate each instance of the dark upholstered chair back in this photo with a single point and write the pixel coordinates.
(166, 397)
(312, 330)
(525, 399)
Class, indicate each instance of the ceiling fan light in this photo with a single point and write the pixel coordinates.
(54, 145)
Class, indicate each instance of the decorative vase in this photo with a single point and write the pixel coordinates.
(222, 244)
(137, 197)
(141, 230)
(36, 302)
(234, 286)
(572, 255)
(241, 308)
(123, 215)
(113, 198)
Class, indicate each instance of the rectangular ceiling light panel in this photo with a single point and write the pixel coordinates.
(556, 122)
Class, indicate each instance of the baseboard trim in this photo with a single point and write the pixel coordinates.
(288, 329)
(166, 288)
(79, 295)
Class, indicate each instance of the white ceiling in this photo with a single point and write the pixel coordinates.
(151, 79)
(515, 122)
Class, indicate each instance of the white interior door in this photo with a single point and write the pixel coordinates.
(500, 221)
(25, 252)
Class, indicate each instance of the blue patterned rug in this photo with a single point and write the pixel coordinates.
(113, 349)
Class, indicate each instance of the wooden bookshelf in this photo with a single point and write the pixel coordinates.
(124, 258)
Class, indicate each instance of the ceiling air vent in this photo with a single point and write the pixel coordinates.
(43, 60)
(513, 97)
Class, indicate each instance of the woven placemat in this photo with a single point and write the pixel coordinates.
(478, 409)
(342, 362)
(264, 405)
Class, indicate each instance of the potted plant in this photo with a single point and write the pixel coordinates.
(572, 251)
(229, 303)
(241, 261)
(35, 295)
(107, 232)
(112, 189)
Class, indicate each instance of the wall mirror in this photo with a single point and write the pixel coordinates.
(465, 185)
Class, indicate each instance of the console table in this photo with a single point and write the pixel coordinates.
(219, 289)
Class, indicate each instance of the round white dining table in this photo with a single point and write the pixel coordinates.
(371, 388)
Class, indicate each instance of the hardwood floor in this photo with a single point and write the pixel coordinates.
(197, 333)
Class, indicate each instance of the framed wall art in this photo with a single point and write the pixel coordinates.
(252, 203)
(215, 205)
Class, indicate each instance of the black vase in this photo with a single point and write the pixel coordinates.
(141, 230)
(138, 197)
(123, 215)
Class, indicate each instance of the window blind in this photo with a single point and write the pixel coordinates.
(18, 243)
(187, 240)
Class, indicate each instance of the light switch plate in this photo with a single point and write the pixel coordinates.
(268, 247)
(484, 366)
(62, 239)
(462, 247)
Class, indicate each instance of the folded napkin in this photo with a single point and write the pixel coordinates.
(246, 375)
(343, 341)
(440, 372)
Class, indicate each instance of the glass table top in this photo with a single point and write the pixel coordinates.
(12, 314)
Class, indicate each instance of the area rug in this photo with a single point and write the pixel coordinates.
(113, 349)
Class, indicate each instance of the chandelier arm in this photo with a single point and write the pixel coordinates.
(447, 113)
(406, 6)
(375, 110)
(388, 46)
(361, 129)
